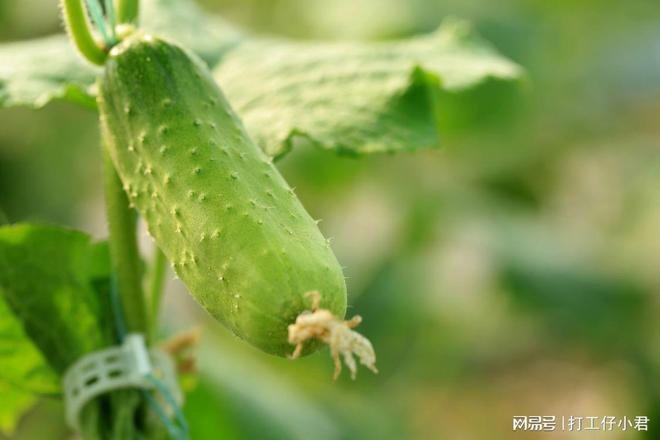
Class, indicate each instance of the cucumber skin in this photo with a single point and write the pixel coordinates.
(236, 234)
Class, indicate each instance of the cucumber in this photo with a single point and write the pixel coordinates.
(235, 232)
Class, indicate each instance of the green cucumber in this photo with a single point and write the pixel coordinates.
(235, 232)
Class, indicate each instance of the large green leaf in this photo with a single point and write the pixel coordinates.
(50, 279)
(355, 97)
(56, 282)
(50, 310)
(34, 72)
(349, 97)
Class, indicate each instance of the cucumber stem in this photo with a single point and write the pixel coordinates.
(156, 282)
(127, 11)
(124, 250)
(80, 32)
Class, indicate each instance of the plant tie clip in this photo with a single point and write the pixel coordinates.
(127, 365)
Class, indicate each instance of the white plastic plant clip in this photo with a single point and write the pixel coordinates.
(125, 366)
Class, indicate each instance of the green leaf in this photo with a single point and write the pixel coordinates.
(45, 272)
(56, 283)
(34, 72)
(355, 97)
(50, 279)
(23, 365)
(13, 404)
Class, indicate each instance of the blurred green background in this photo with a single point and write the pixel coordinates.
(514, 271)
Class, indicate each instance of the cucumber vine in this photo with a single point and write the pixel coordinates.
(122, 238)
(121, 218)
(80, 30)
